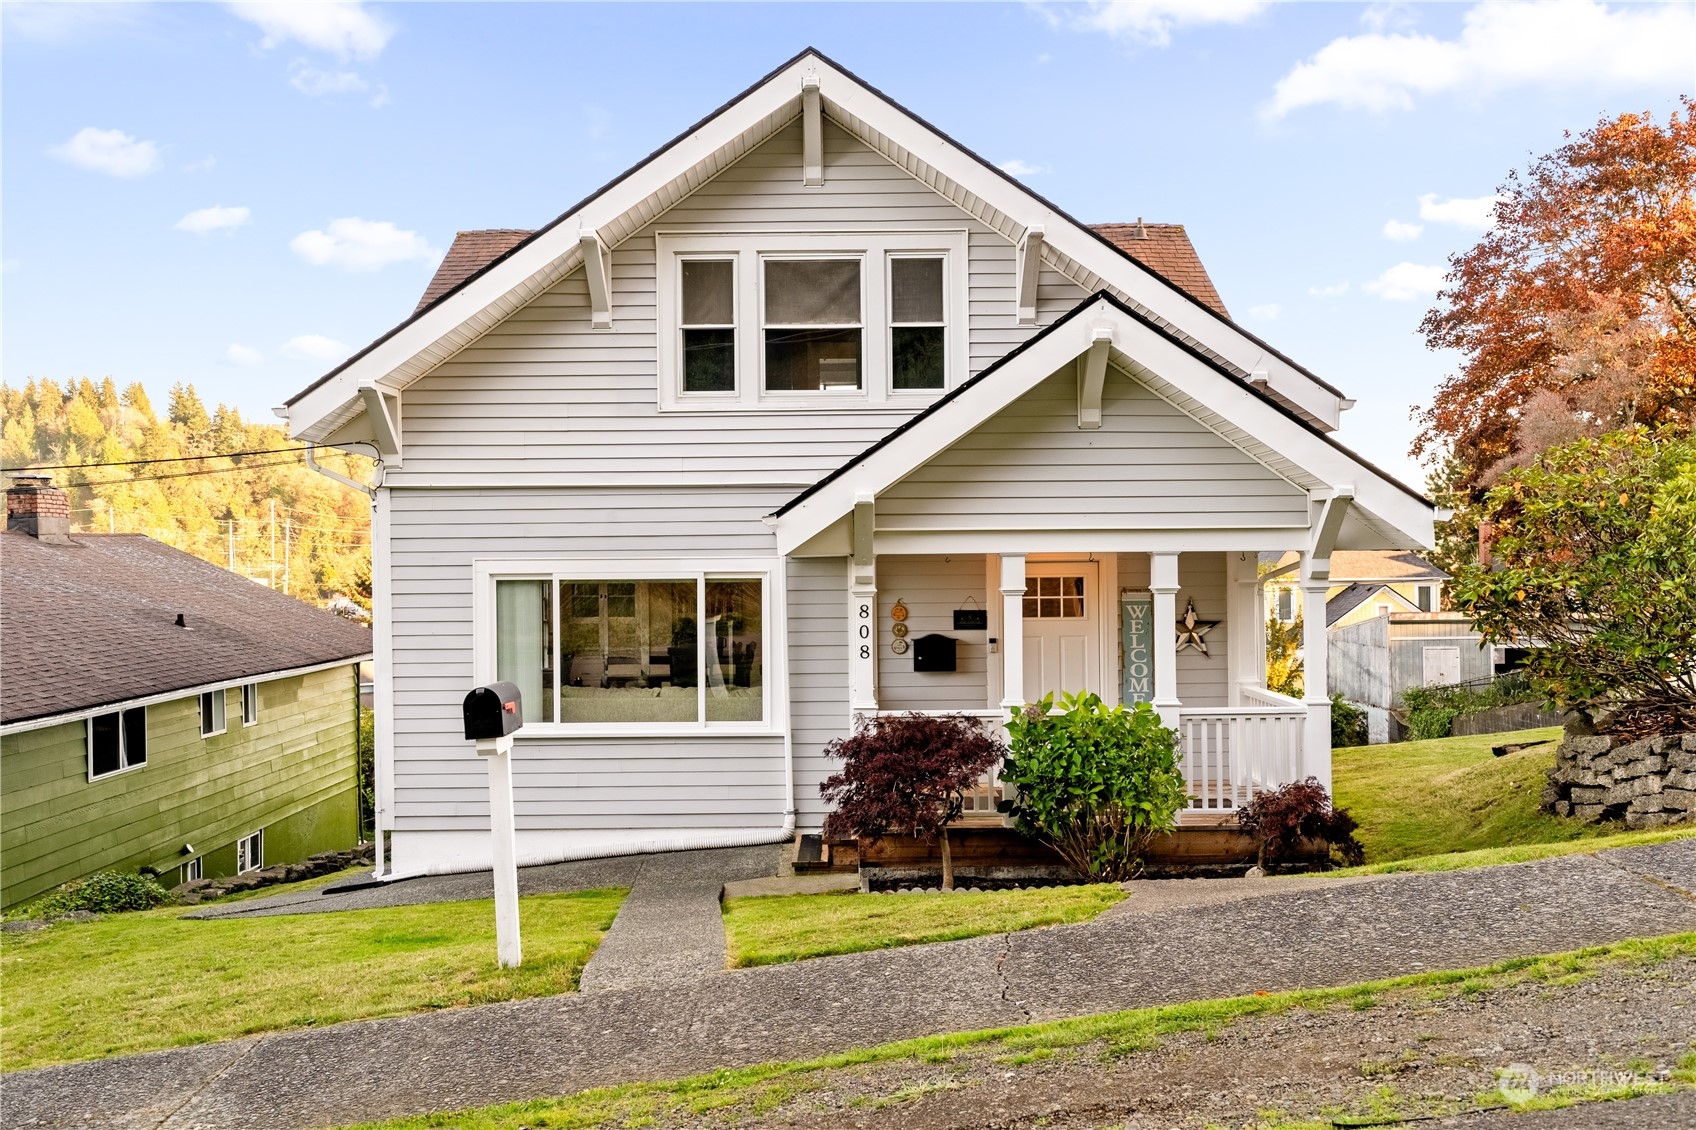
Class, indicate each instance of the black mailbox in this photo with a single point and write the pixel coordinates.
(934, 652)
(493, 711)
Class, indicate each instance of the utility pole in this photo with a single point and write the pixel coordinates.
(286, 522)
(273, 543)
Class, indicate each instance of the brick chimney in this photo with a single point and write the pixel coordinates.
(36, 507)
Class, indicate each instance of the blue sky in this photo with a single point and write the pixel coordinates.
(240, 195)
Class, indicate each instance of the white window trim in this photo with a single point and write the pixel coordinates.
(749, 250)
(890, 324)
(258, 838)
(200, 709)
(836, 394)
(738, 326)
(123, 741)
(194, 869)
(249, 690)
(768, 570)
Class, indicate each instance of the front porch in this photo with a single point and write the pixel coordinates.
(984, 634)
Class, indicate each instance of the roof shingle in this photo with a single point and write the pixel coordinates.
(470, 253)
(1166, 250)
(94, 622)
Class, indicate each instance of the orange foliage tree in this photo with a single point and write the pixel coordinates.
(1576, 314)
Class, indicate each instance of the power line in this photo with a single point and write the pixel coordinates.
(141, 462)
(184, 474)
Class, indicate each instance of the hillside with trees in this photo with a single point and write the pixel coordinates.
(174, 478)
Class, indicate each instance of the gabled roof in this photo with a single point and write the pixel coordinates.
(614, 212)
(1165, 248)
(94, 622)
(1244, 414)
(1356, 595)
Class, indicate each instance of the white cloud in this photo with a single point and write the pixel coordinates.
(1475, 212)
(215, 218)
(1406, 281)
(56, 21)
(1152, 22)
(1552, 42)
(310, 80)
(1401, 230)
(109, 151)
(1018, 168)
(1332, 290)
(354, 244)
(1266, 313)
(341, 27)
(205, 165)
(314, 347)
(244, 355)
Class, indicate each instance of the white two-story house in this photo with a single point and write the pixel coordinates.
(810, 415)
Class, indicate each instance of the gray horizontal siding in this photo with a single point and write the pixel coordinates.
(543, 393)
(1203, 680)
(818, 674)
(1149, 466)
(599, 783)
(931, 587)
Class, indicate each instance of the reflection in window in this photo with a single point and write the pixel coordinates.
(917, 324)
(524, 644)
(1054, 598)
(812, 325)
(734, 664)
(628, 652)
(709, 325)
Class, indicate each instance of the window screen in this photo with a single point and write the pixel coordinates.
(813, 335)
(917, 332)
(709, 325)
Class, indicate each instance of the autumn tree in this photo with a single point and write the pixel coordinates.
(1576, 314)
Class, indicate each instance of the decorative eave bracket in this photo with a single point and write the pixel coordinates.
(865, 525)
(597, 266)
(1092, 377)
(385, 422)
(1325, 530)
(812, 133)
(1030, 272)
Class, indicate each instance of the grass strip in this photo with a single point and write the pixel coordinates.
(154, 979)
(771, 929)
(1519, 853)
(754, 1090)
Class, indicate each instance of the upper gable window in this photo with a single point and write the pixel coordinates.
(799, 321)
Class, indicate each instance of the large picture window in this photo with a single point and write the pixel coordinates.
(117, 741)
(675, 652)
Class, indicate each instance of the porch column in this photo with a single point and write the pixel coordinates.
(1012, 630)
(1245, 624)
(1315, 651)
(1163, 583)
(862, 612)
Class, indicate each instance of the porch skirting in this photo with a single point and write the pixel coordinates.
(450, 853)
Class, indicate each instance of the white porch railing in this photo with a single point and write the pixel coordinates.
(1231, 754)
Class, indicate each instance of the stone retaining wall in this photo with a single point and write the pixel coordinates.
(324, 863)
(1646, 783)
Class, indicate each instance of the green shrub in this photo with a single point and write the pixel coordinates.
(104, 892)
(365, 772)
(1095, 783)
(1348, 723)
(1431, 711)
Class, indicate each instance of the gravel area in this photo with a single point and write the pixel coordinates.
(1324, 935)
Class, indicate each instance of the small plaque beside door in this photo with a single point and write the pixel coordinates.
(971, 619)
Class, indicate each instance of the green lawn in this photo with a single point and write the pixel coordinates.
(726, 1093)
(770, 929)
(1451, 795)
(1521, 853)
(153, 979)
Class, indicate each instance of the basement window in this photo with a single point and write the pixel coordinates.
(250, 852)
(117, 741)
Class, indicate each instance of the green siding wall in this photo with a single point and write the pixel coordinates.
(293, 771)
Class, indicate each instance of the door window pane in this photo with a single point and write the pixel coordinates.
(735, 672)
(709, 318)
(629, 652)
(524, 644)
(1054, 598)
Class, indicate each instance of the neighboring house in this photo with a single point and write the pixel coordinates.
(816, 414)
(158, 711)
(1364, 584)
(1373, 661)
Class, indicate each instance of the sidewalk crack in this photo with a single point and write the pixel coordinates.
(1001, 975)
(207, 1085)
(1653, 880)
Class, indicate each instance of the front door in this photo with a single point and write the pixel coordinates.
(1062, 636)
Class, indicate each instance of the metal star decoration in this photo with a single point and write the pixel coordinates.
(1191, 629)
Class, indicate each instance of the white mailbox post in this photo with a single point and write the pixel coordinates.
(492, 714)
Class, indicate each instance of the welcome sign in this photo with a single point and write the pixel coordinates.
(1136, 627)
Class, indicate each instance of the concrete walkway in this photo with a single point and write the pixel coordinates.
(1321, 934)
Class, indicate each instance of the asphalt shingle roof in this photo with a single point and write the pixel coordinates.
(470, 253)
(94, 622)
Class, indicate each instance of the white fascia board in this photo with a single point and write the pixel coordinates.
(455, 321)
(1136, 347)
(1066, 238)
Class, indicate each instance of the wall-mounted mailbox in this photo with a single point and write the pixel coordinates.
(971, 619)
(934, 653)
(493, 711)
